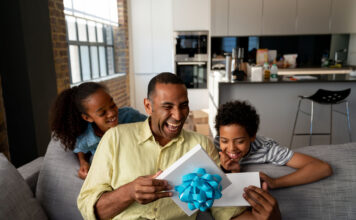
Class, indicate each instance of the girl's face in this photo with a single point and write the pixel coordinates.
(235, 141)
(101, 109)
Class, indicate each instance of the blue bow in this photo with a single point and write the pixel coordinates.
(199, 189)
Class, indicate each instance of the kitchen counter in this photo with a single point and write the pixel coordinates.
(276, 102)
(301, 79)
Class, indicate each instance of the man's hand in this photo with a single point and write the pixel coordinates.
(229, 164)
(83, 169)
(264, 206)
(146, 189)
(271, 183)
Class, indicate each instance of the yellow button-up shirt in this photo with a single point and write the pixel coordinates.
(129, 151)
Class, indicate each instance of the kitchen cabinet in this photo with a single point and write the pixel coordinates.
(219, 17)
(279, 17)
(343, 16)
(245, 17)
(313, 16)
(191, 15)
(151, 43)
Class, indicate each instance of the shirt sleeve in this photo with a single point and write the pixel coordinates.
(278, 154)
(130, 115)
(99, 176)
(80, 146)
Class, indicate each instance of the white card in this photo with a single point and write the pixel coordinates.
(232, 195)
(195, 158)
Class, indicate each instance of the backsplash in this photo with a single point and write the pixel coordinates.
(310, 48)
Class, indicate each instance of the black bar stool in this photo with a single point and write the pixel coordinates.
(323, 97)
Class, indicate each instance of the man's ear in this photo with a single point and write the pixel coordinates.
(148, 106)
(87, 118)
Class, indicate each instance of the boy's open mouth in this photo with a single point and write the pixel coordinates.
(234, 155)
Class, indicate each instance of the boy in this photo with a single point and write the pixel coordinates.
(237, 124)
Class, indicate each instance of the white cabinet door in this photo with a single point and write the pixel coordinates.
(141, 36)
(279, 17)
(245, 17)
(313, 16)
(191, 15)
(343, 16)
(162, 36)
(219, 17)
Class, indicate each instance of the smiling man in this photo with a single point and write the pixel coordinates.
(121, 183)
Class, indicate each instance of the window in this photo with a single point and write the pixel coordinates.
(90, 36)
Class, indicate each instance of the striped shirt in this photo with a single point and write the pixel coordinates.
(264, 150)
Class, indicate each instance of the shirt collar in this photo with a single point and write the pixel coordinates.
(146, 134)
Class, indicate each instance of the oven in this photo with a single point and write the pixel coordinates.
(193, 73)
(191, 58)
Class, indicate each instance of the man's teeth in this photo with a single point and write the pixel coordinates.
(173, 127)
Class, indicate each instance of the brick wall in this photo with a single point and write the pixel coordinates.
(4, 144)
(119, 86)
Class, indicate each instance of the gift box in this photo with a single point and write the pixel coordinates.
(232, 195)
(187, 165)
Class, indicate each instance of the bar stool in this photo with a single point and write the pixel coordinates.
(323, 97)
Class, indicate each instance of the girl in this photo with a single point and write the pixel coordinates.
(237, 124)
(82, 114)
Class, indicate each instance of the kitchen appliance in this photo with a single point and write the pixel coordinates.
(191, 57)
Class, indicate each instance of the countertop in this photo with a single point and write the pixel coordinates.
(288, 79)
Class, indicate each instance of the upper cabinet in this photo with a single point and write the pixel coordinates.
(343, 16)
(244, 17)
(219, 17)
(313, 16)
(279, 17)
(191, 15)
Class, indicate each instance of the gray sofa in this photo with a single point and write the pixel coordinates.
(48, 187)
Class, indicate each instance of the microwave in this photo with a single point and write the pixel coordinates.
(191, 44)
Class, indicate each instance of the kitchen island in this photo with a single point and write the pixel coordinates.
(276, 102)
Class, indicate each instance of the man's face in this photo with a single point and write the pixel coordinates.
(168, 108)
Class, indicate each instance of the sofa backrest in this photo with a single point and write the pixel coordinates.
(16, 198)
(330, 198)
(58, 184)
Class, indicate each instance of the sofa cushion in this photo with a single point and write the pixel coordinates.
(58, 183)
(16, 198)
(330, 198)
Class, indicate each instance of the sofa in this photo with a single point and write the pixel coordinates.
(47, 188)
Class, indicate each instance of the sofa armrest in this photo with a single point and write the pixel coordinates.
(30, 172)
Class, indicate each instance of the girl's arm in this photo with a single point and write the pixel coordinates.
(309, 169)
(84, 165)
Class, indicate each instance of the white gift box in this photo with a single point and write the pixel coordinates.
(232, 195)
(195, 158)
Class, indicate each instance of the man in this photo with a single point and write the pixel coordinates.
(121, 183)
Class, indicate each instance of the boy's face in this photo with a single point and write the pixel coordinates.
(235, 141)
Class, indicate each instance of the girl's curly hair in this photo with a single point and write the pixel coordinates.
(66, 122)
(238, 112)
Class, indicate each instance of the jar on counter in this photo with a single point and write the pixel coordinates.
(266, 71)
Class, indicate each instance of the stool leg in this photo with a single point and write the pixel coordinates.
(331, 123)
(295, 123)
(348, 120)
(311, 122)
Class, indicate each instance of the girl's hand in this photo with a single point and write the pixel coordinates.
(83, 169)
(228, 163)
(271, 182)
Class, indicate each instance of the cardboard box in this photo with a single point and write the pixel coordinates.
(200, 117)
(195, 158)
(203, 129)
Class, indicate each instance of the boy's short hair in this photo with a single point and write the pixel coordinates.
(238, 112)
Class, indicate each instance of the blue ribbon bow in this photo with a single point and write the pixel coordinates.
(199, 189)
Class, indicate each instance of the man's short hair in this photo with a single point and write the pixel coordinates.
(238, 112)
(165, 78)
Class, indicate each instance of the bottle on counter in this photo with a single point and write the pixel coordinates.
(266, 71)
(274, 73)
